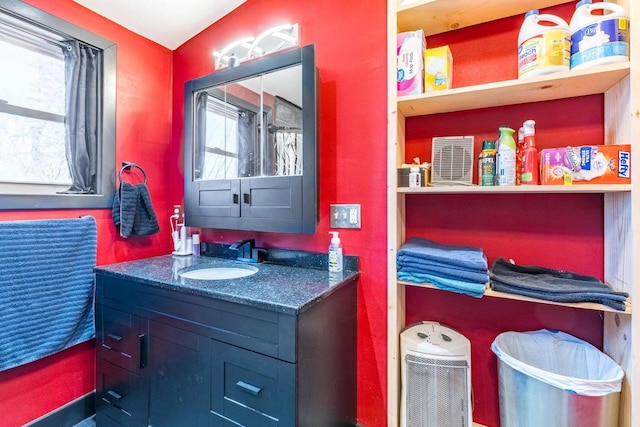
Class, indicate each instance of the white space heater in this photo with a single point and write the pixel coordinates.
(452, 160)
(436, 377)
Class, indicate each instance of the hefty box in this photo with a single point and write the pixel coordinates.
(591, 164)
(411, 47)
(438, 65)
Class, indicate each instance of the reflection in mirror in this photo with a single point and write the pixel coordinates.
(229, 119)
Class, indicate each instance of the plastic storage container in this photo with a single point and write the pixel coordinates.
(553, 379)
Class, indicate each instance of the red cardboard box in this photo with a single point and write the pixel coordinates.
(589, 164)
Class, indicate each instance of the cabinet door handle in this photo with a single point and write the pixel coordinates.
(251, 389)
(115, 337)
(115, 396)
(246, 198)
(144, 350)
(236, 198)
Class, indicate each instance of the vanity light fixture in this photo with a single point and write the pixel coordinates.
(270, 41)
(240, 48)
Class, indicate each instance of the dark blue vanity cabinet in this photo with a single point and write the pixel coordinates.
(169, 357)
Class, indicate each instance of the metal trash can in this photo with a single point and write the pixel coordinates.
(552, 379)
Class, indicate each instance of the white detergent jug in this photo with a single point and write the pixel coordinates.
(544, 45)
(599, 38)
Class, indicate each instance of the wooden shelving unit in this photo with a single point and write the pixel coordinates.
(518, 189)
(489, 293)
(620, 86)
(532, 89)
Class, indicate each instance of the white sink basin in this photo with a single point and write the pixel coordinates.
(219, 273)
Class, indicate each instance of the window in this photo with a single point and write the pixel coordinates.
(221, 149)
(57, 135)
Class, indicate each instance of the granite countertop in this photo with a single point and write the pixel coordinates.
(283, 288)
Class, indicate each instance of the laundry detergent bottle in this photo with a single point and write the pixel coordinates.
(599, 34)
(544, 45)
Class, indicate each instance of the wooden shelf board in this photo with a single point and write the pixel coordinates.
(518, 189)
(489, 293)
(563, 85)
(439, 16)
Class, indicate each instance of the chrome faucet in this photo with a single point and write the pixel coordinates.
(247, 251)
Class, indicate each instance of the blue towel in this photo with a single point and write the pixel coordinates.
(441, 270)
(451, 255)
(553, 285)
(459, 286)
(46, 287)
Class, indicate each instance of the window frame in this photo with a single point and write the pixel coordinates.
(106, 170)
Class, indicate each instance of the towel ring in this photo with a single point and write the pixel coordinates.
(128, 165)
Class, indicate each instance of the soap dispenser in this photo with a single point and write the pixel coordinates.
(335, 253)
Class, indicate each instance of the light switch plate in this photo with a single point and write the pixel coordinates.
(345, 216)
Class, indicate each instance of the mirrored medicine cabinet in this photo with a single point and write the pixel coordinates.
(250, 145)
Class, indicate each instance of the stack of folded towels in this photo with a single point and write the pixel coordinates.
(461, 269)
(553, 285)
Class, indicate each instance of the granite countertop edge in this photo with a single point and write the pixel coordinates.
(282, 288)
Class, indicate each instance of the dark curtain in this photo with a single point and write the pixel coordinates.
(201, 133)
(247, 141)
(82, 115)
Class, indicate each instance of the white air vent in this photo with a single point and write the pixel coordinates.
(452, 160)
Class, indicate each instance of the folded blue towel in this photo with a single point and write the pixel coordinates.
(415, 261)
(451, 255)
(46, 292)
(553, 285)
(448, 273)
(459, 286)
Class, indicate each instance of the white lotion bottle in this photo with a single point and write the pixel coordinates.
(335, 253)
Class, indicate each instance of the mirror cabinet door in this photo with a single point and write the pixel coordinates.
(250, 141)
(229, 119)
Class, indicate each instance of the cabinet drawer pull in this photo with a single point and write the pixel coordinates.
(236, 198)
(115, 396)
(115, 337)
(144, 350)
(246, 198)
(251, 389)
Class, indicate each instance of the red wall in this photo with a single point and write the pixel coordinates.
(349, 38)
(143, 132)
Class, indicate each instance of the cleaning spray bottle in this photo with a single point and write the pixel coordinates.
(335, 253)
(530, 174)
(519, 151)
(506, 157)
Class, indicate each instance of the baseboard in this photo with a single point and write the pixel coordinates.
(68, 415)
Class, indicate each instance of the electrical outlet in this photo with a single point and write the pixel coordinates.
(345, 216)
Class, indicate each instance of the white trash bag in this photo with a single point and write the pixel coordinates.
(561, 360)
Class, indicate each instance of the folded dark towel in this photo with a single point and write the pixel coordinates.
(450, 255)
(552, 285)
(133, 212)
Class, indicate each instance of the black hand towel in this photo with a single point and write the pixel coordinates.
(552, 285)
(133, 212)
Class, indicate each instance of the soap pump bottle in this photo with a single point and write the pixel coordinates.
(530, 174)
(335, 253)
